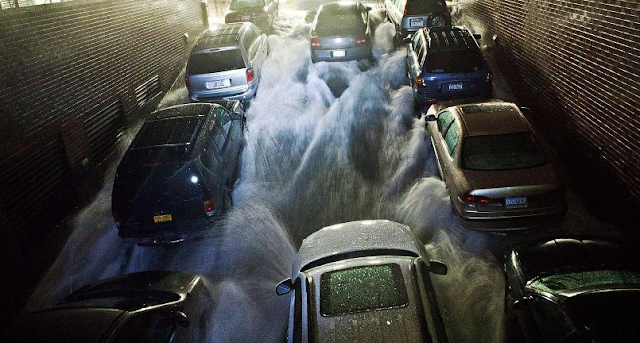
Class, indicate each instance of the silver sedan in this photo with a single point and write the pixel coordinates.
(496, 172)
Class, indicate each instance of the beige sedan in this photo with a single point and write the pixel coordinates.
(496, 172)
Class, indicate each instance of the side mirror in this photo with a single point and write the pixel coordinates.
(284, 287)
(477, 36)
(521, 303)
(179, 318)
(431, 117)
(525, 109)
(368, 8)
(437, 267)
(406, 40)
(311, 15)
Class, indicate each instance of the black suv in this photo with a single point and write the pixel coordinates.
(446, 63)
(176, 176)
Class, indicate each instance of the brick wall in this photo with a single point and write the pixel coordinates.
(73, 76)
(580, 62)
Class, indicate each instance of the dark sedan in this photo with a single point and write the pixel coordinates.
(573, 290)
(176, 177)
(158, 307)
(260, 12)
(341, 32)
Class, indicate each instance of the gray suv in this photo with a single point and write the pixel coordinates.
(225, 63)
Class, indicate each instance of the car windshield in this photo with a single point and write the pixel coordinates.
(502, 152)
(172, 131)
(335, 24)
(214, 61)
(423, 7)
(127, 300)
(454, 62)
(585, 280)
(362, 288)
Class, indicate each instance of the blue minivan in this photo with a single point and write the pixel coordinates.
(446, 63)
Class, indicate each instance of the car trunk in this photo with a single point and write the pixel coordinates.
(337, 42)
(221, 82)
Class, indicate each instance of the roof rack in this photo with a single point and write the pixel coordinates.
(450, 38)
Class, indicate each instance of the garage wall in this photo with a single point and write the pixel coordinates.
(73, 77)
(580, 61)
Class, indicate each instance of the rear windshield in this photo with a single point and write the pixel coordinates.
(502, 152)
(240, 4)
(173, 131)
(215, 61)
(330, 24)
(454, 62)
(424, 6)
(362, 288)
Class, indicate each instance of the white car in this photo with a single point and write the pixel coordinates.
(364, 281)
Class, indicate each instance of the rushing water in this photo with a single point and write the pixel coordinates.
(326, 143)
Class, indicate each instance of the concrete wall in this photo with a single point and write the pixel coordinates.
(580, 61)
(73, 76)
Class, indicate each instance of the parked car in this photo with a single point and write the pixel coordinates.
(363, 281)
(174, 181)
(497, 174)
(260, 12)
(573, 290)
(408, 16)
(225, 63)
(341, 32)
(159, 307)
(446, 63)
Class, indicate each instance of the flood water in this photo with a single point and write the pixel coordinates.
(326, 143)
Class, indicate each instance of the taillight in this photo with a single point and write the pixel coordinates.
(432, 102)
(488, 78)
(209, 207)
(419, 81)
(186, 82)
(477, 199)
(250, 75)
(406, 9)
(116, 217)
(361, 39)
(315, 41)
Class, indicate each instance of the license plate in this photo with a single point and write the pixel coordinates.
(338, 53)
(456, 86)
(162, 218)
(218, 84)
(416, 22)
(245, 17)
(515, 202)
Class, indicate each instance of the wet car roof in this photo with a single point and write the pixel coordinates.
(545, 257)
(375, 237)
(492, 119)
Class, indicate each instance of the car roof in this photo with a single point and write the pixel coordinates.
(183, 110)
(365, 325)
(222, 35)
(356, 239)
(550, 255)
(450, 38)
(492, 118)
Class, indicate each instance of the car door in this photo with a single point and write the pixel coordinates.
(297, 331)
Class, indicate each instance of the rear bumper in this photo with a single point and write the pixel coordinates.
(423, 96)
(511, 221)
(167, 233)
(354, 53)
(245, 94)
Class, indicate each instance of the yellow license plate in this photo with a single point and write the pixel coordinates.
(163, 218)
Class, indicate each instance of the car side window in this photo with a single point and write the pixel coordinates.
(224, 119)
(253, 49)
(452, 137)
(445, 119)
(415, 41)
(249, 38)
(550, 320)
